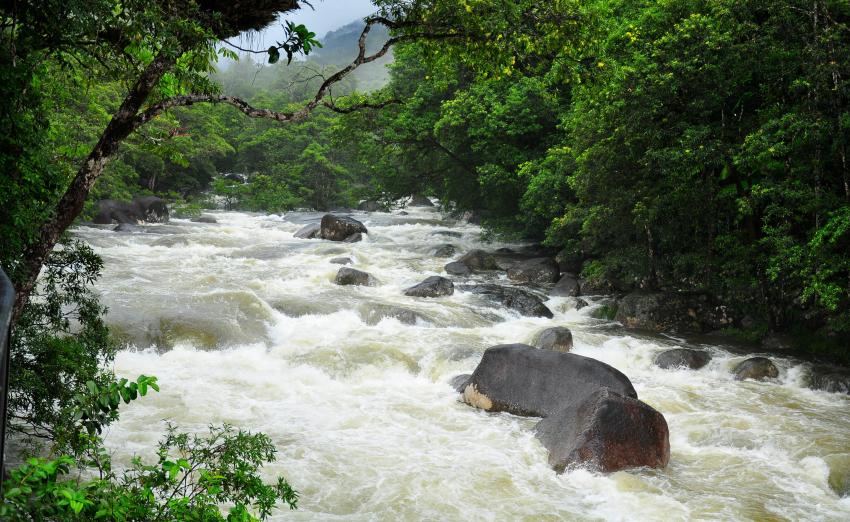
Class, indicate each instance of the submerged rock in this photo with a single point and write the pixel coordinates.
(341, 261)
(370, 206)
(606, 432)
(581, 303)
(830, 380)
(351, 276)
(340, 228)
(446, 250)
(373, 313)
(558, 339)
(523, 380)
(538, 270)
(449, 233)
(353, 238)
(756, 368)
(522, 301)
(204, 219)
(458, 382)
(682, 358)
(479, 260)
(567, 286)
(310, 231)
(458, 269)
(434, 286)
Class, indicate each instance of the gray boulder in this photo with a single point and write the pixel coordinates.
(457, 268)
(538, 270)
(339, 228)
(558, 339)
(567, 286)
(520, 379)
(605, 432)
(756, 368)
(581, 303)
(479, 260)
(522, 301)
(310, 231)
(682, 358)
(446, 250)
(341, 260)
(351, 276)
(434, 286)
(419, 200)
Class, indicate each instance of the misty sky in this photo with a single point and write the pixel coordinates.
(327, 15)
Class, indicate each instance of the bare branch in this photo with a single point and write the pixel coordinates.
(324, 89)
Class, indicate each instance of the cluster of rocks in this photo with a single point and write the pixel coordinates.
(591, 415)
(754, 368)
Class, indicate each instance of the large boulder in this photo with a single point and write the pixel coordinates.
(558, 339)
(682, 358)
(150, 209)
(419, 200)
(607, 432)
(522, 301)
(340, 228)
(434, 286)
(567, 286)
(538, 270)
(457, 268)
(309, 231)
(351, 276)
(756, 368)
(520, 379)
(673, 312)
(479, 260)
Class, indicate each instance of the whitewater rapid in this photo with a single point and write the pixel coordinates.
(243, 324)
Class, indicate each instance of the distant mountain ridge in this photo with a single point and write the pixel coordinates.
(339, 48)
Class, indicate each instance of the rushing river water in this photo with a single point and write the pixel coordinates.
(243, 324)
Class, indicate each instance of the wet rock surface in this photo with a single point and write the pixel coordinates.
(434, 286)
(351, 276)
(519, 300)
(682, 358)
(756, 368)
(340, 228)
(538, 270)
(558, 339)
(671, 312)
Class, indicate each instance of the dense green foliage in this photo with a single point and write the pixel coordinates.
(682, 145)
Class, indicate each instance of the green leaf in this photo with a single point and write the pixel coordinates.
(274, 55)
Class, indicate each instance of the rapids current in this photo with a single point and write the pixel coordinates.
(243, 324)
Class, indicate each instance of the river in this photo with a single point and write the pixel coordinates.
(243, 324)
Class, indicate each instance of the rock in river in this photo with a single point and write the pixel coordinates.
(434, 286)
(149, 209)
(351, 276)
(456, 268)
(446, 250)
(675, 312)
(538, 270)
(558, 339)
(340, 228)
(479, 260)
(341, 260)
(523, 301)
(520, 379)
(567, 286)
(308, 231)
(682, 358)
(606, 432)
(757, 368)
(418, 200)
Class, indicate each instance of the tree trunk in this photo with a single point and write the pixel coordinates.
(71, 204)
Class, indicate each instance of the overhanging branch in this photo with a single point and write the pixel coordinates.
(324, 89)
